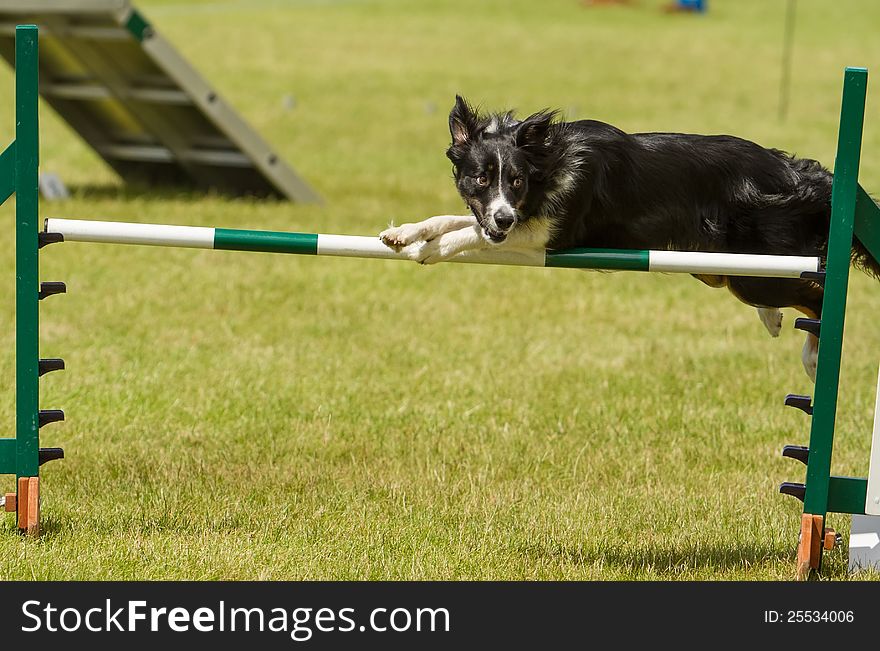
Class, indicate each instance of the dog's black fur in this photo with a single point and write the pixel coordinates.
(602, 187)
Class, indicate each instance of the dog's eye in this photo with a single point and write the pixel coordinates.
(517, 182)
(483, 180)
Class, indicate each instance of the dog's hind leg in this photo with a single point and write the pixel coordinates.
(810, 351)
(398, 237)
(810, 356)
(810, 303)
(771, 317)
(773, 293)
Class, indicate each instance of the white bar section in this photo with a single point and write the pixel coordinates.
(872, 500)
(77, 230)
(357, 246)
(731, 264)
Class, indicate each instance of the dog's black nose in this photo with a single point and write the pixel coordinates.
(504, 220)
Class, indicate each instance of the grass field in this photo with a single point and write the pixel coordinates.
(250, 416)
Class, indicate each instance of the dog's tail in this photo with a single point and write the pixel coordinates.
(862, 258)
(814, 189)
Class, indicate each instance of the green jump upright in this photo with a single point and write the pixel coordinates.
(837, 266)
(853, 213)
(19, 170)
(27, 216)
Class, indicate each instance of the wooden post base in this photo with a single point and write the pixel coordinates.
(28, 503)
(810, 545)
(830, 539)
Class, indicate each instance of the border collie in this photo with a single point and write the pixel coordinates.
(542, 183)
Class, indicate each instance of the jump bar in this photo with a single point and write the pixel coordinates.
(355, 246)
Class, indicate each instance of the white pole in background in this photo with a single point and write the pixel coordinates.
(864, 535)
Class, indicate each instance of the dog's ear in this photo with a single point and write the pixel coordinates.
(463, 122)
(535, 130)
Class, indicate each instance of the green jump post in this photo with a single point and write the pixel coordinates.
(843, 202)
(19, 165)
(27, 155)
(822, 491)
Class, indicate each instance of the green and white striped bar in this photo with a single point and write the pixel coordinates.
(354, 246)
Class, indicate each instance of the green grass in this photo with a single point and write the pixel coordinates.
(237, 416)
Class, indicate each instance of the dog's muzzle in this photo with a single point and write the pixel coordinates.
(495, 237)
(500, 225)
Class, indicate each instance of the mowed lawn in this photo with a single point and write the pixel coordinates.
(255, 416)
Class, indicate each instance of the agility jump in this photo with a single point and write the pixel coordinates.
(356, 246)
(852, 211)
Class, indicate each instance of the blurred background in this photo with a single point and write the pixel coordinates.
(355, 93)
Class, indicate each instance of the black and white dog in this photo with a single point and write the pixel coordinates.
(542, 183)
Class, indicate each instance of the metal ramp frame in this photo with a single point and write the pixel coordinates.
(146, 111)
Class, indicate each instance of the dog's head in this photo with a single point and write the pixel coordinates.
(499, 163)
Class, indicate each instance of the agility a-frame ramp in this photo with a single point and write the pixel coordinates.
(853, 211)
(140, 105)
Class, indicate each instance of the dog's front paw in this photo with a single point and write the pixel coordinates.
(399, 237)
(432, 252)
